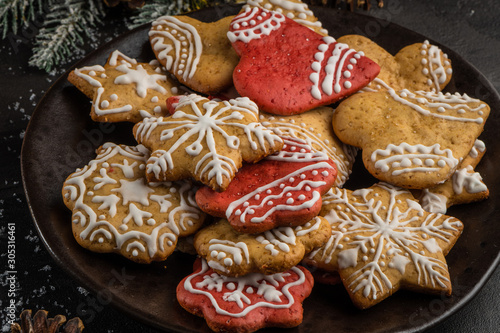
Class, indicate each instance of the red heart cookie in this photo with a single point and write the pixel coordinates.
(247, 303)
(287, 68)
(284, 189)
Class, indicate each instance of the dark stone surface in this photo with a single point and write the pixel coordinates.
(470, 28)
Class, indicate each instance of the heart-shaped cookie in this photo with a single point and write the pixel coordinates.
(198, 54)
(284, 189)
(411, 139)
(419, 66)
(286, 68)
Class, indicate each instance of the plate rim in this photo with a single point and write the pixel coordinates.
(94, 287)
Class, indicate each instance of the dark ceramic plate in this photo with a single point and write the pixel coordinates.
(61, 137)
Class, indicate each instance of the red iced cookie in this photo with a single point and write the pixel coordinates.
(246, 303)
(283, 189)
(287, 68)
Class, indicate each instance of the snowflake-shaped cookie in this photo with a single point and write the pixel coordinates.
(315, 128)
(465, 186)
(125, 90)
(116, 210)
(207, 140)
(246, 303)
(411, 139)
(419, 66)
(382, 240)
(277, 250)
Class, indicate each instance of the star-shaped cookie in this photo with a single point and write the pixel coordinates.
(383, 240)
(411, 139)
(419, 66)
(115, 209)
(205, 139)
(198, 54)
(125, 90)
(231, 253)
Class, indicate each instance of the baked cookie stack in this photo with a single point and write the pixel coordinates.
(247, 130)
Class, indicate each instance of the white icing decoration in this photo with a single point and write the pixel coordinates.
(265, 285)
(125, 197)
(394, 230)
(469, 180)
(400, 159)
(212, 120)
(169, 35)
(245, 32)
(433, 202)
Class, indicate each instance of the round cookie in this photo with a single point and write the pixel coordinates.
(125, 90)
(315, 128)
(204, 139)
(198, 54)
(247, 303)
(231, 253)
(115, 210)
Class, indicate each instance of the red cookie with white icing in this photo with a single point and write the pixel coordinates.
(248, 303)
(284, 189)
(287, 68)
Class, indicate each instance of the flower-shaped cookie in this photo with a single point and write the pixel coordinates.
(464, 186)
(411, 139)
(231, 253)
(207, 140)
(315, 128)
(420, 66)
(382, 240)
(248, 303)
(198, 54)
(284, 189)
(125, 90)
(287, 68)
(293, 9)
(115, 210)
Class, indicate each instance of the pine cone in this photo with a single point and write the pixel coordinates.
(41, 324)
(131, 3)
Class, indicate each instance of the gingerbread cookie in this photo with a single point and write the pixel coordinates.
(383, 240)
(315, 128)
(231, 253)
(125, 90)
(284, 189)
(293, 9)
(207, 140)
(411, 139)
(465, 186)
(198, 54)
(247, 303)
(287, 68)
(420, 66)
(115, 210)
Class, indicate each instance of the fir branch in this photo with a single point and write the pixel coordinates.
(16, 13)
(157, 8)
(63, 31)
